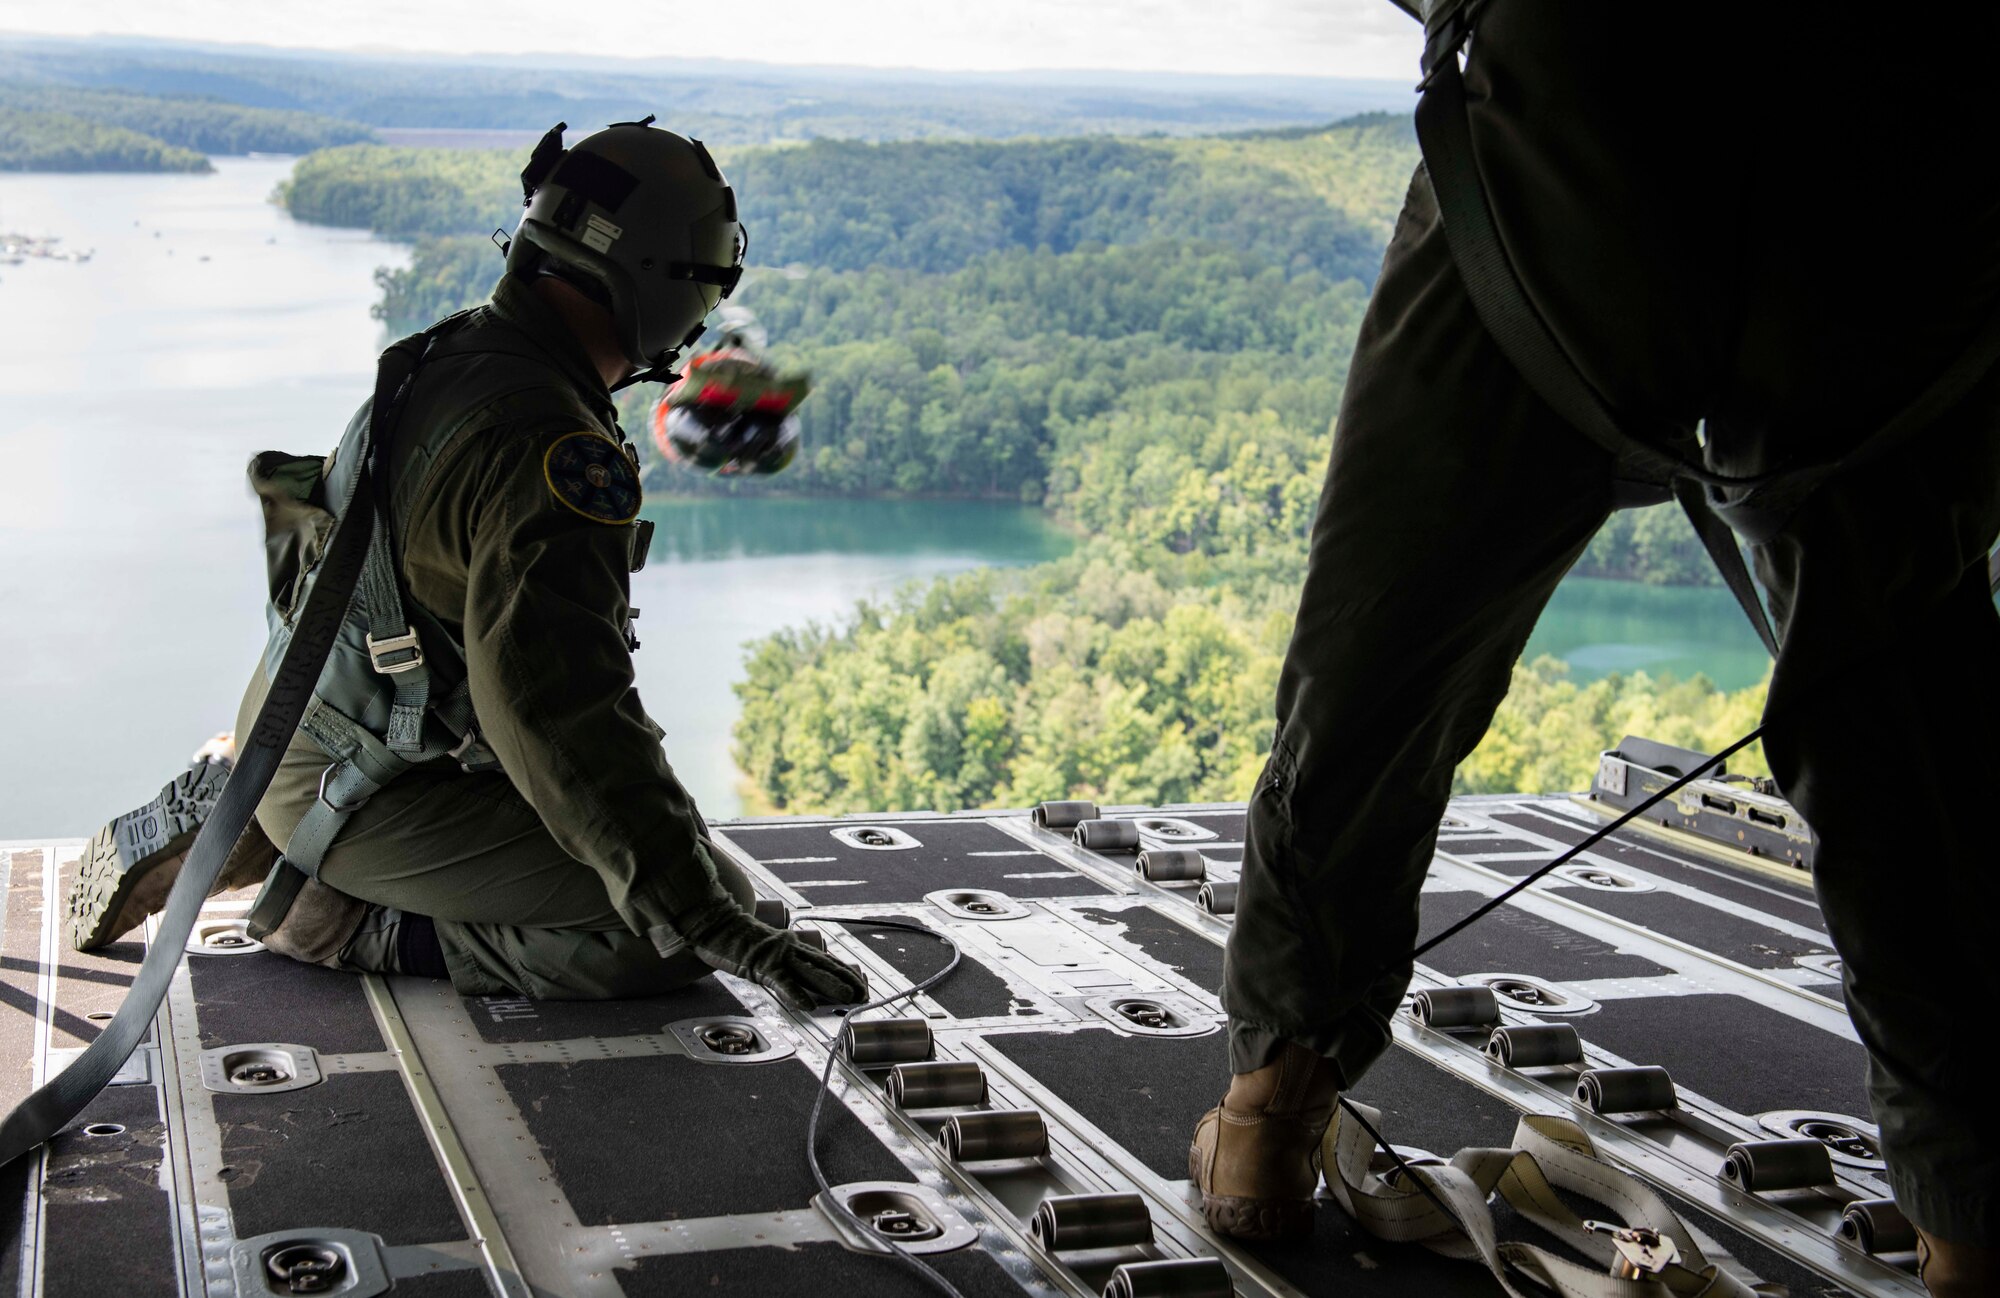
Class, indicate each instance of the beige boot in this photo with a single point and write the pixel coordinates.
(320, 923)
(1951, 1270)
(130, 866)
(1255, 1157)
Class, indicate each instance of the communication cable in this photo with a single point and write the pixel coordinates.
(923, 1269)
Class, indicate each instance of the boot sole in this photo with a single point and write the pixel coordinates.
(130, 866)
(1263, 1220)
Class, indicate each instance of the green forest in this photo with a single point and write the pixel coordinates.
(1146, 337)
(32, 141)
(68, 128)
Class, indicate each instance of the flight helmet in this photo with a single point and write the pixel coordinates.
(640, 219)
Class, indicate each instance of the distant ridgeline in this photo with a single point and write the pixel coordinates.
(1146, 336)
(722, 102)
(47, 127)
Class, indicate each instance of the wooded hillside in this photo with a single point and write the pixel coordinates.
(1149, 338)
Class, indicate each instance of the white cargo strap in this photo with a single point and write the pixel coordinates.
(1549, 1153)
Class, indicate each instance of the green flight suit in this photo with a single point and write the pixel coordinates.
(543, 877)
(1716, 232)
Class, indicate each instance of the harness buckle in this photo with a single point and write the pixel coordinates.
(1642, 1251)
(395, 644)
(326, 775)
(469, 762)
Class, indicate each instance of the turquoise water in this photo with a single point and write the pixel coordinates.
(1599, 627)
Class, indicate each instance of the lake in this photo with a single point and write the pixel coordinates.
(1599, 627)
(209, 326)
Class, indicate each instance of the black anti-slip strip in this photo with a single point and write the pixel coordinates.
(1734, 1051)
(952, 854)
(1776, 898)
(262, 996)
(666, 1138)
(1147, 1093)
(972, 992)
(811, 1268)
(505, 1019)
(1513, 941)
(1718, 932)
(109, 1225)
(13, 1201)
(348, 1152)
(1188, 954)
(1482, 844)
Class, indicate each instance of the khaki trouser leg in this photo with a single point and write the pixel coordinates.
(514, 912)
(1409, 626)
(1883, 711)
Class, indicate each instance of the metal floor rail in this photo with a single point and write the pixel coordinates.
(288, 1125)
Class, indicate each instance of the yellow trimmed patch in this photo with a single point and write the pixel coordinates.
(590, 475)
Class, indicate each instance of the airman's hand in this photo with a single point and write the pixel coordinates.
(800, 975)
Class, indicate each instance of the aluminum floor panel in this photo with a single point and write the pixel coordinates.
(511, 1147)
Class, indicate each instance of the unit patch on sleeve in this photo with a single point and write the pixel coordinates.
(590, 474)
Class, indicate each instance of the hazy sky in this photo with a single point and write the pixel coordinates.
(1346, 38)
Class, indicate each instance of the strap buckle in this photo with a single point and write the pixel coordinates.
(1642, 1251)
(395, 644)
(326, 775)
(468, 762)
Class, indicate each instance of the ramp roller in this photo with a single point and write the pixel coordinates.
(999, 1133)
(1108, 835)
(1077, 1221)
(1217, 897)
(889, 1041)
(1196, 1277)
(1535, 1045)
(1063, 815)
(936, 1085)
(1761, 1165)
(1172, 865)
(1456, 1007)
(1626, 1090)
(1877, 1226)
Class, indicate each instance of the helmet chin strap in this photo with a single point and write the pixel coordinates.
(660, 373)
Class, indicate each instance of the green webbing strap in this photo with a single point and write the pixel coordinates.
(59, 1100)
(362, 765)
(1720, 543)
(394, 647)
